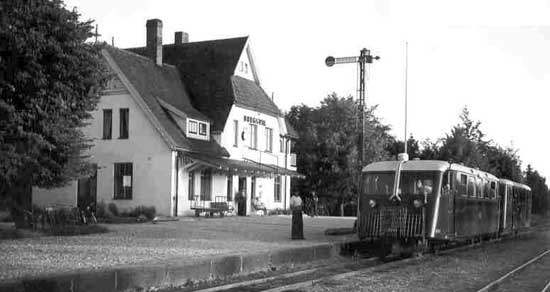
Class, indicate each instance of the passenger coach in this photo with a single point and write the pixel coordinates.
(423, 201)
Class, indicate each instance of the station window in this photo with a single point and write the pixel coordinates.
(282, 144)
(253, 136)
(107, 124)
(206, 185)
(123, 181)
(236, 137)
(229, 187)
(268, 139)
(191, 186)
(124, 123)
(277, 190)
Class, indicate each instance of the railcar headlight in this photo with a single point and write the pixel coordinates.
(418, 203)
(372, 203)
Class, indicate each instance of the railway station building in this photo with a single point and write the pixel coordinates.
(184, 127)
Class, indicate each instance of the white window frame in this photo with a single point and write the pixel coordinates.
(268, 139)
(193, 127)
(253, 136)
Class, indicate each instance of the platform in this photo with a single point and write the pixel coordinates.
(167, 253)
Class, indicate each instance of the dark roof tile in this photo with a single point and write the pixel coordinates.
(250, 95)
(163, 82)
(207, 70)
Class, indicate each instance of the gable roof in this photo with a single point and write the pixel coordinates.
(250, 95)
(153, 86)
(207, 69)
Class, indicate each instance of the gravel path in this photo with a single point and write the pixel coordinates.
(189, 239)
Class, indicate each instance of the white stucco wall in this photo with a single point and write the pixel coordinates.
(145, 148)
(244, 66)
(242, 152)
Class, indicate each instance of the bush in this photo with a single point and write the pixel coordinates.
(279, 211)
(113, 209)
(141, 211)
(70, 230)
(101, 210)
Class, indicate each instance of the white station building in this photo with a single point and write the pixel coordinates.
(183, 127)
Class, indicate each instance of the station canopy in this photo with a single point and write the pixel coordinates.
(197, 162)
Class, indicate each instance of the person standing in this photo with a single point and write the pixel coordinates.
(297, 229)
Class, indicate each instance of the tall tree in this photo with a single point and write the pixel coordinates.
(397, 146)
(465, 143)
(539, 189)
(327, 151)
(49, 79)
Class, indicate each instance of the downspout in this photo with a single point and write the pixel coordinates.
(286, 167)
(177, 182)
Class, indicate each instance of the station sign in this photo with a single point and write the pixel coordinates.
(254, 120)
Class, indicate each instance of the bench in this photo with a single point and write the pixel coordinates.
(218, 206)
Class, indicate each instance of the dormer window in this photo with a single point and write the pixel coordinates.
(202, 129)
(198, 129)
(192, 127)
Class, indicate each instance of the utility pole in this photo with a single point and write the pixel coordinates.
(364, 58)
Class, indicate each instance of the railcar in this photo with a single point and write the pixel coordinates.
(423, 202)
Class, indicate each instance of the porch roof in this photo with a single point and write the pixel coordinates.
(241, 167)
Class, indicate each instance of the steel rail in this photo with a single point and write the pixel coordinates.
(499, 280)
(546, 288)
(338, 276)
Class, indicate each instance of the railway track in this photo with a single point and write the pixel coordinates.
(305, 278)
(525, 277)
(365, 262)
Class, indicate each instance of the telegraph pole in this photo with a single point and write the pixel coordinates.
(364, 58)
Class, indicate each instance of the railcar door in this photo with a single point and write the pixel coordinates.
(510, 220)
(502, 207)
(443, 215)
(450, 192)
(460, 206)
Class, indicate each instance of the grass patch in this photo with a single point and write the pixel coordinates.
(10, 232)
(71, 230)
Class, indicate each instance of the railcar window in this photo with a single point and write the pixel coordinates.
(462, 185)
(445, 185)
(379, 183)
(486, 189)
(417, 182)
(471, 186)
(479, 187)
(493, 190)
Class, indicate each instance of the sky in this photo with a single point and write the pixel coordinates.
(491, 56)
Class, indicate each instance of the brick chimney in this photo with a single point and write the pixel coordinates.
(181, 37)
(154, 40)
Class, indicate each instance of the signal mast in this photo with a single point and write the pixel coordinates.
(364, 58)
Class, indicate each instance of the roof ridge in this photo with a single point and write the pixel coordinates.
(126, 51)
(208, 41)
(183, 44)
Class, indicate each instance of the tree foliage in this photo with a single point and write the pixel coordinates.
(49, 79)
(541, 194)
(327, 152)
